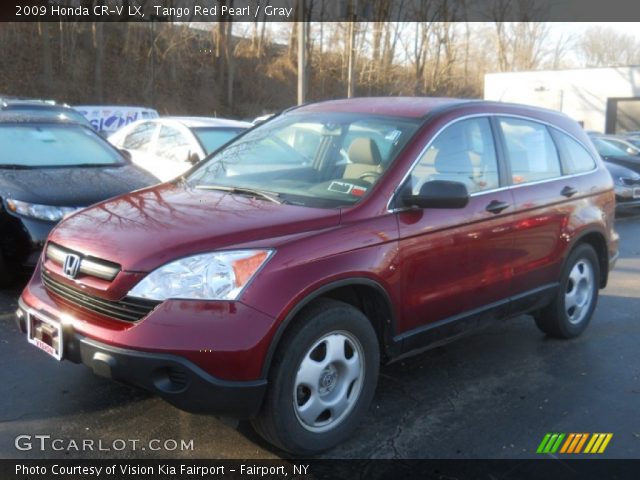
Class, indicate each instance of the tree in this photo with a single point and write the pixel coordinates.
(604, 46)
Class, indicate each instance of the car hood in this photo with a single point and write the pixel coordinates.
(71, 187)
(618, 171)
(627, 161)
(145, 229)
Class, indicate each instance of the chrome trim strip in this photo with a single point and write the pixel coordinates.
(87, 266)
(493, 190)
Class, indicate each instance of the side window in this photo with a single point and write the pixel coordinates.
(172, 144)
(463, 152)
(577, 159)
(530, 150)
(140, 137)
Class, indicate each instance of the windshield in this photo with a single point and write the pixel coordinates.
(49, 112)
(213, 138)
(607, 149)
(320, 159)
(33, 145)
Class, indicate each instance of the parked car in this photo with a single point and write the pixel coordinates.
(276, 294)
(50, 168)
(169, 146)
(627, 186)
(614, 154)
(108, 119)
(633, 138)
(622, 143)
(43, 109)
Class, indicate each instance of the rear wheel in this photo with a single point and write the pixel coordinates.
(570, 312)
(322, 380)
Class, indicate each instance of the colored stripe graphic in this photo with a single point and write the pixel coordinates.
(598, 443)
(573, 443)
(550, 443)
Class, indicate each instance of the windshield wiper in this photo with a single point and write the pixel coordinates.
(271, 196)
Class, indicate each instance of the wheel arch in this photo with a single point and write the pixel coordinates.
(365, 294)
(597, 240)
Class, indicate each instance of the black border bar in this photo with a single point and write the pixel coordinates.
(319, 10)
(547, 468)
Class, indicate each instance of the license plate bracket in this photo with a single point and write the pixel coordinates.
(46, 334)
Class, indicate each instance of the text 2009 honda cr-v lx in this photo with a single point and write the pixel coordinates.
(272, 280)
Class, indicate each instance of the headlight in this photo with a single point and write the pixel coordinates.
(41, 212)
(208, 276)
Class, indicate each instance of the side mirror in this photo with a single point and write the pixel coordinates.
(125, 153)
(193, 158)
(438, 194)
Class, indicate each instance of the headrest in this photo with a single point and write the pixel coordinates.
(364, 150)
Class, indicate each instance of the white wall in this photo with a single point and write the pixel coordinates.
(580, 93)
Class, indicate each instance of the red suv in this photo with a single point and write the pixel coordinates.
(271, 281)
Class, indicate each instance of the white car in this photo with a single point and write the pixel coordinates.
(168, 146)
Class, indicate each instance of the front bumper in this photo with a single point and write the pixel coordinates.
(626, 197)
(174, 378)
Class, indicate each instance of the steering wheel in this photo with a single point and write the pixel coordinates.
(374, 175)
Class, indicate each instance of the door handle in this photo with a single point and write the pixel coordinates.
(568, 191)
(496, 206)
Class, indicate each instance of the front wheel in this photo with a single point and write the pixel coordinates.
(569, 314)
(322, 380)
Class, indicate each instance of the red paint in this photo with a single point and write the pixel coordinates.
(433, 264)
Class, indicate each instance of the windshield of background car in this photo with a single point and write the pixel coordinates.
(324, 160)
(51, 145)
(213, 138)
(54, 113)
(607, 149)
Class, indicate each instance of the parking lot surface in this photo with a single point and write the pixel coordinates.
(493, 394)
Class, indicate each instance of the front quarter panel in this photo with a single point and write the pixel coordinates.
(362, 249)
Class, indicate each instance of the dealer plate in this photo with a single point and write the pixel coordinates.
(45, 333)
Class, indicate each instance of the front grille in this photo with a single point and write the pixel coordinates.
(128, 309)
(94, 267)
(631, 181)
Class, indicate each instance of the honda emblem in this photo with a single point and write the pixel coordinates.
(71, 265)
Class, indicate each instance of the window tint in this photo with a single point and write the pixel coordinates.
(464, 152)
(530, 150)
(173, 144)
(577, 158)
(140, 137)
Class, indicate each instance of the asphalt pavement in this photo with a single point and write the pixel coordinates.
(493, 394)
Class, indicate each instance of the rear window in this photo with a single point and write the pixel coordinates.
(531, 152)
(51, 145)
(576, 158)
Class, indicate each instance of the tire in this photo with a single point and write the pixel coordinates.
(7, 277)
(329, 358)
(571, 311)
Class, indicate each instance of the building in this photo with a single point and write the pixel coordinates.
(602, 99)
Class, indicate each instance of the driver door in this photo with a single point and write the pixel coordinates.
(457, 262)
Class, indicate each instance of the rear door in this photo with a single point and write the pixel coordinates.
(457, 261)
(545, 200)
(173, 149)
(139, 142)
